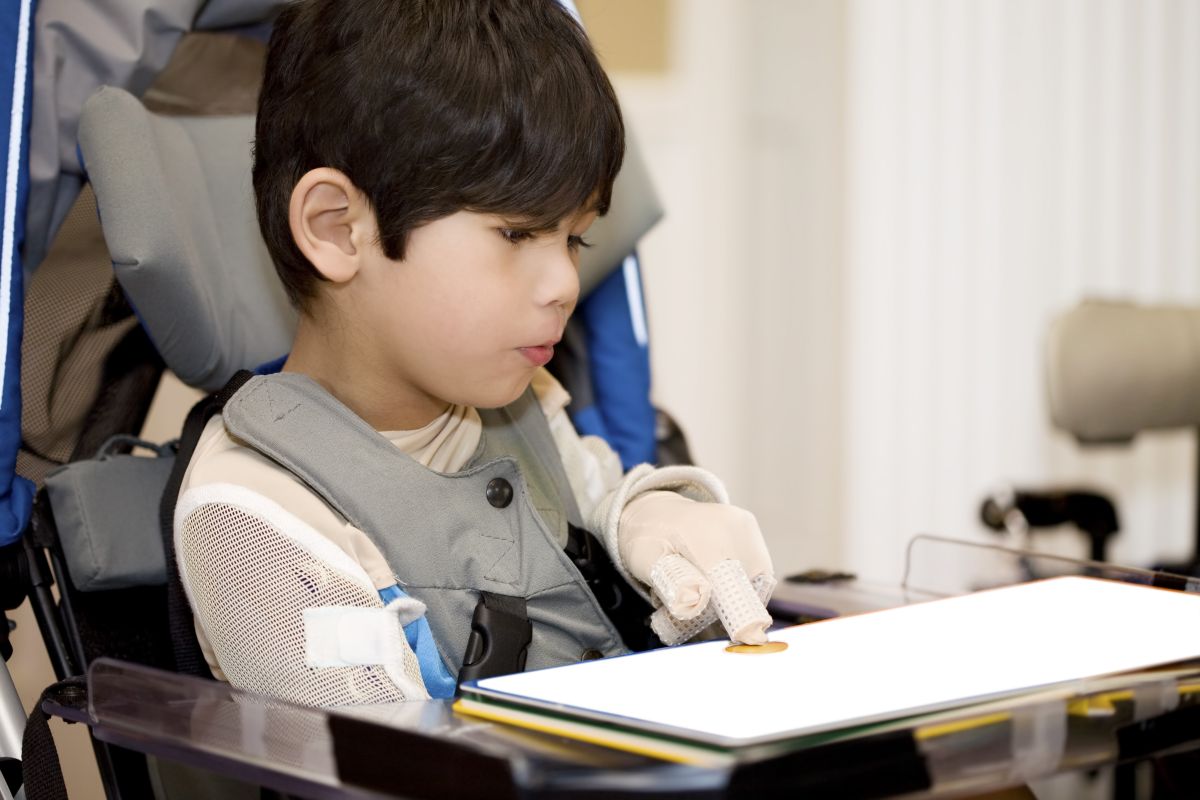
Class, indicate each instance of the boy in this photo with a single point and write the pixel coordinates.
(426, 172)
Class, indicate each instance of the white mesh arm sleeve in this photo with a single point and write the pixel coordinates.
(286, 611)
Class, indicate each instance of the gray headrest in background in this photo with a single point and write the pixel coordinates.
(177, 209)
(1114, 369)
(633, 211)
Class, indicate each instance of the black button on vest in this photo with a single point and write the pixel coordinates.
(499, 492)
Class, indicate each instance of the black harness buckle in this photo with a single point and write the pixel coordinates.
(500, 637)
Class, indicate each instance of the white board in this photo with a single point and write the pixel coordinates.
(878, 666)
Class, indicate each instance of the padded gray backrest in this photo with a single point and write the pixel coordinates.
(633, 211)
(177, 208)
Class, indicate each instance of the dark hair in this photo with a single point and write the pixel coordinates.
(431, 107)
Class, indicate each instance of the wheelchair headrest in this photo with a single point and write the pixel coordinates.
(633, 211)
(177, 208)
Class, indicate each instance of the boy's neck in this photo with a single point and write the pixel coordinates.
(331, 358)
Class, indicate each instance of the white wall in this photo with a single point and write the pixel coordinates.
(744, 137)
(875, 207)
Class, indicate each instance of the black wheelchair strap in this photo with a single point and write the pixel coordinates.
(501, 631)
(625, 608)
(186, 649)
(41, 771)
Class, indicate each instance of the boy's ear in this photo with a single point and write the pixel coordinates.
(331, 222)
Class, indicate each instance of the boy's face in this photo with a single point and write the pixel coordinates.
(474, 308)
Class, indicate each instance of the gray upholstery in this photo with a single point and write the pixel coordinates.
(109, 537)
(176, 204)
(634, 211)
(1114, 369)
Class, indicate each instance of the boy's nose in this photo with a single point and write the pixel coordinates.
(559, 283)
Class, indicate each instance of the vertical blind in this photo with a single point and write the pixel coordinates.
(1006, 159)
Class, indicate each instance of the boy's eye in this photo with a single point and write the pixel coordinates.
(514, 236)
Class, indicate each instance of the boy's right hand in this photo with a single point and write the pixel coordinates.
(703, 561)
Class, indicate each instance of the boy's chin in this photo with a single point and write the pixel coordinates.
(498, 397)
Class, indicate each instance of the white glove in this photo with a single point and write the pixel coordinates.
(703, 561)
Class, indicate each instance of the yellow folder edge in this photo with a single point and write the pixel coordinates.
(1095, 705)
(589, 735)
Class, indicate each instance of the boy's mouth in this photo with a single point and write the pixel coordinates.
(539, 355)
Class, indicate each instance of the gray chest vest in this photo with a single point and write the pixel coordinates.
(498, 525)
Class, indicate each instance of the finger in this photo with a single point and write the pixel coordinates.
(747, 542)
(675, 631)
(764, 586)
(642, 554)
(719, 532)
(682, 588)
(738, 606)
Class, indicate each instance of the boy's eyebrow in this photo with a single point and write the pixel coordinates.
(549, 227)
(530, 226)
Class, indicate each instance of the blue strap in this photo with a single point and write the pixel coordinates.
(438, 681)
(273, 366)
(615, 330)
(589, 422)
(16, 47)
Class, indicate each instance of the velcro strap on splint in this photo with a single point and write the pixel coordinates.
(347, 636)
